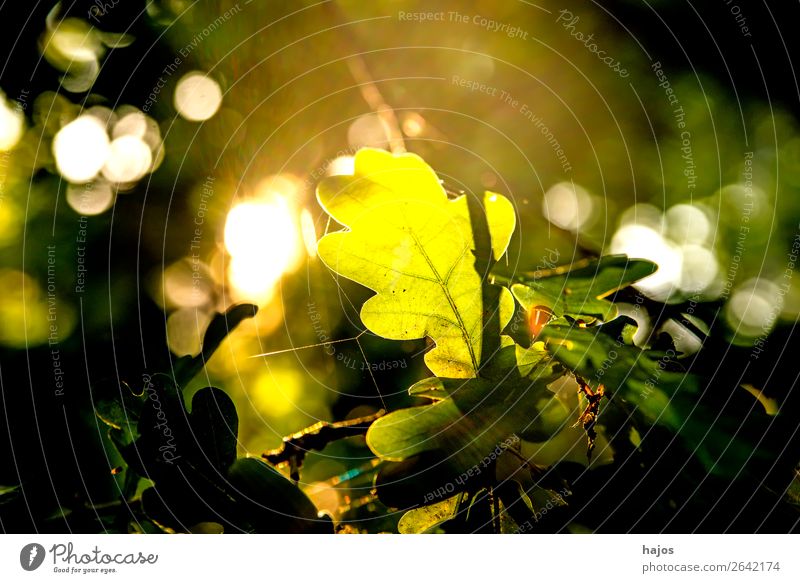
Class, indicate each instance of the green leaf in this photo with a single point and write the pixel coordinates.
(10, 494)
(724, 441)
(270, 503)
(113, 413)
(432, 388)
(422, 519)
(528, 361)
(578, 290)
(120, 411)
(414, 247)
(422, 479)
(467, 425)
(215, 426)
(207, 528)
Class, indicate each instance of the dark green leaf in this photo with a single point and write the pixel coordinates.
(578, 290)
(270, 503)
(187, 367)
(215, 427)
(468, 424)
(647, 380)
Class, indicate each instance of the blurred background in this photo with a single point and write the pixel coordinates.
(158, 162)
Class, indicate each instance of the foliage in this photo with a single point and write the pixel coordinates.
(501, 423)
(190, 456)
(410, 243)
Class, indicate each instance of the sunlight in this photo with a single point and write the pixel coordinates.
(262, 237)
(342, 166)
(277, 391)
(309, 233)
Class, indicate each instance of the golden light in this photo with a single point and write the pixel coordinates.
(28, 318)
(325, 497)
(342, 166)
(262, 238)
(12, 124)
(276, 392)
(197, 96)
(286, 185)
(309, 233)
(81, 149)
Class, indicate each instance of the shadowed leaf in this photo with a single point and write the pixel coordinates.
(578, 290)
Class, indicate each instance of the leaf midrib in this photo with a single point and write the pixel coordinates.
(443, 284)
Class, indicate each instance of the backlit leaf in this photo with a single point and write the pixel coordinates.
(412, 245)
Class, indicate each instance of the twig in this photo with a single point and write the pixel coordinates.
(372, 95)
(295, 446)
(369, 90)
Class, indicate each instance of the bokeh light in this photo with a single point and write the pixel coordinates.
(276, 391)
(188, 283)
(133, 124)
(197, 96)
(129, 159)
(643, 214)
(678, 242)
(687, 224)
(642, 242)
(81, 149)
(90, 199)
(28, 318)
(12, 124)
(185, 329)
(568, 206)
(699, 268)
(753, 308)
(368, 131)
